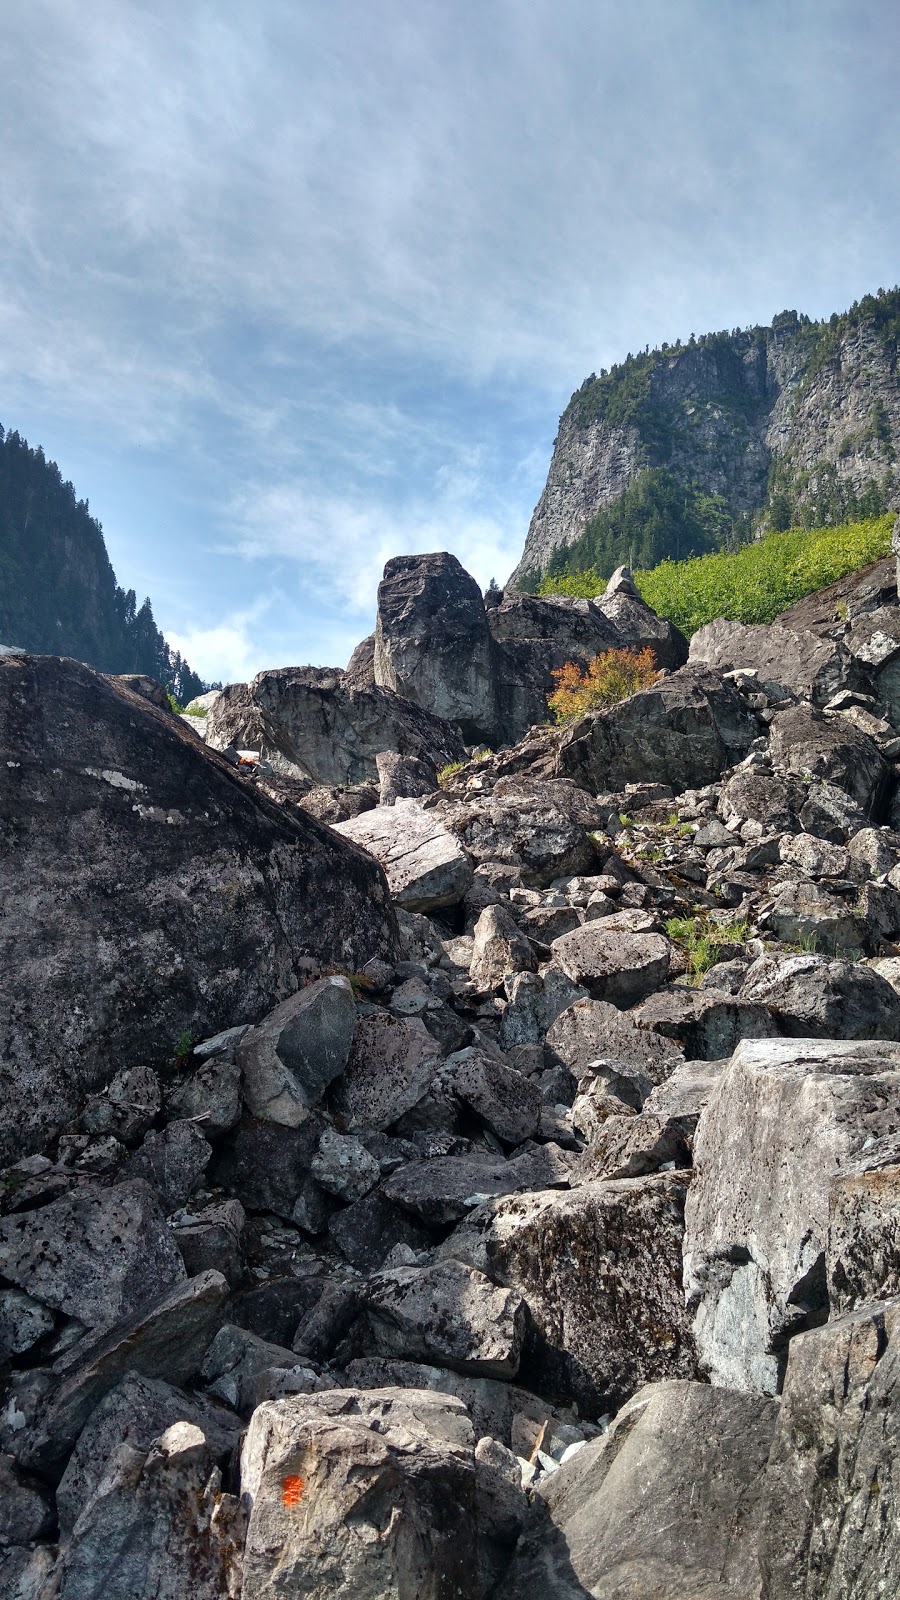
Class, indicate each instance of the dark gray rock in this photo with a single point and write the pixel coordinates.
(211, 1094)
(613, 965)
(814, 668)
(508, 1103)
(154, 926)
(292, 1056)
(314, 723)
(344, 1167)
(447, 1314)
(173, 1161)
(96, 1254)
(684, 732)
(128, 1106)
(707, 1023)
(266, 1165)
(590, 1030)
(391, 1067)
(807, 743)
(23, 1322)
(26, 1507)
(403, 777)
(367, 1231)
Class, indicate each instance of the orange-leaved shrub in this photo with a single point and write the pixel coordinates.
(610, 677)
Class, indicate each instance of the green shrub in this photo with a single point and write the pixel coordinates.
(753, 584)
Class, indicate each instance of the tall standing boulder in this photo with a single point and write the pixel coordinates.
(148, 893)
(432, 642)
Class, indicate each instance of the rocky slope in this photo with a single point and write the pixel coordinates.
(795, 419)
(552, 1248)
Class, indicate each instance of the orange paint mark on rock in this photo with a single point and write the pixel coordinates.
(291, 1490)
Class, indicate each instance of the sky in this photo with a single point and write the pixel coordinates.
(289, 287)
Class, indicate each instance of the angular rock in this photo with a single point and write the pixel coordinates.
(499, 950)
(612, 965)
(266, 1165)
(289, 1060)
(23, 1322)
(707, 1023)
(367, 1231)
(535, 1001)
(238, 1367)
(369, 1493)
(433, 645)
(211, 1095)
(685, 732)
(184, 908)
(632, 1147)
(426, 867)
(211, 1241)
(403, 777)
(814, 668)
(666, 1504)
(26, 1508)
(830, 813)
(803, 913)
(781, 1124)
(127, 1108)
(447, 1314)
(166, 1340)
(830, 1507)
(97, 1254)
(173, 1161)
(506, 1101)
(344, 1167)
(637, 624)
(600, 1270)
(391, 1067)
(316, 723)
(812, 997)
(808, 744)
(592, 1030)
(863, 1247)
(757, 794)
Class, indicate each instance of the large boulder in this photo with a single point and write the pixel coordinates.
(536, 635)
(599, 1268)
(637, 624)
(811, 745)
(433, 645)
(448, 1314)
(666, 1504)
(426, 866)
(685, 731)
(812, 997)
(312, 723)
(292, 1056)
(147, 892)
(831, 1506)
(814, 668)
(782, 1122)
(369, 1493)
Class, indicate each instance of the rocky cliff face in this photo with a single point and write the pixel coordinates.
(796, 419)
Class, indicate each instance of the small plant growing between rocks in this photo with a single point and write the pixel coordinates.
(449, 771)
(704, 943)
(610, 677)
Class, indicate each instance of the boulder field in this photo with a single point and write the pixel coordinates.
(492, 1190)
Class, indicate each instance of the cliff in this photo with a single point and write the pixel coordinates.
(795, 422)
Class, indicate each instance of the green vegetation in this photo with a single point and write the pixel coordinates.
(656, 517)
(703, 943)
(58, 591)
(752, 584)
(450, 771)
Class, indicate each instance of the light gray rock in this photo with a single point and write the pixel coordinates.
(631, 1147)
(592, 1029)
(816, 857)
(812, 997)
(344, 1167)
(425, 865)
(369, 1494)
(614, 966)
(165, 1341)
(804, 913)
(600, 1270)
(297, 1051)
(686, 1091)
(782, 1122)
(23, 1321)
(758, 794)
(403, 777)
(535, 1000)
(173, 1161)
(128, 1107)
(97, 1254)
(448, 1315)
(391, 1067)
(666, 1504)
(506, 1101)
(499, 949)
(830, 1507)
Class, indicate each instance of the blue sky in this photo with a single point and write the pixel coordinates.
(289, 287)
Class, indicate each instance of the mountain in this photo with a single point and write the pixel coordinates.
(58, 591)
(694, 446)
